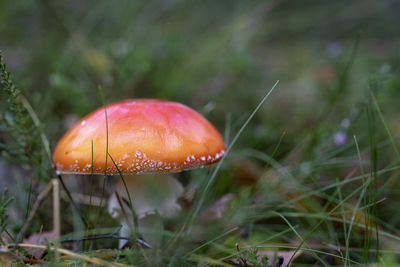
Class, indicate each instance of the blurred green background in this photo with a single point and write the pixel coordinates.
(221, 58)
(217, 57)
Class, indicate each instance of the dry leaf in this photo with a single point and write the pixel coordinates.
(38, 239)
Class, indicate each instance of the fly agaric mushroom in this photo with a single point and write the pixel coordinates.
(144, 136)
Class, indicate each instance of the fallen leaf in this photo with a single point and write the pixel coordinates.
(38, 239)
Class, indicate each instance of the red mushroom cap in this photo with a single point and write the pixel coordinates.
(144, 135)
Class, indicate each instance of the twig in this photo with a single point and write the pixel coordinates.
(32, 214)
(56, 215)
(95, 237)
(92, 260)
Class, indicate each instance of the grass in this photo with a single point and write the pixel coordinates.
(229, 148)
(312, 171)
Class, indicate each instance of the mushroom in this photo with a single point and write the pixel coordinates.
(143, 136)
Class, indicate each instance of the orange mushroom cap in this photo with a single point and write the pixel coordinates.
(144, 135)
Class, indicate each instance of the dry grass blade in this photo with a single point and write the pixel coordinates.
(56, 214)
(66, 252)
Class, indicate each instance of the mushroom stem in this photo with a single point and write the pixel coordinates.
(153, 196)
(131, 224)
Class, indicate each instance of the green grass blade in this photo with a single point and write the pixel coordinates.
(134, 216)
(299, 236)
(383, 121)
(214, 174)
(106, 155)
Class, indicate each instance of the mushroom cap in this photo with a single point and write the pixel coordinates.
(144, 135)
